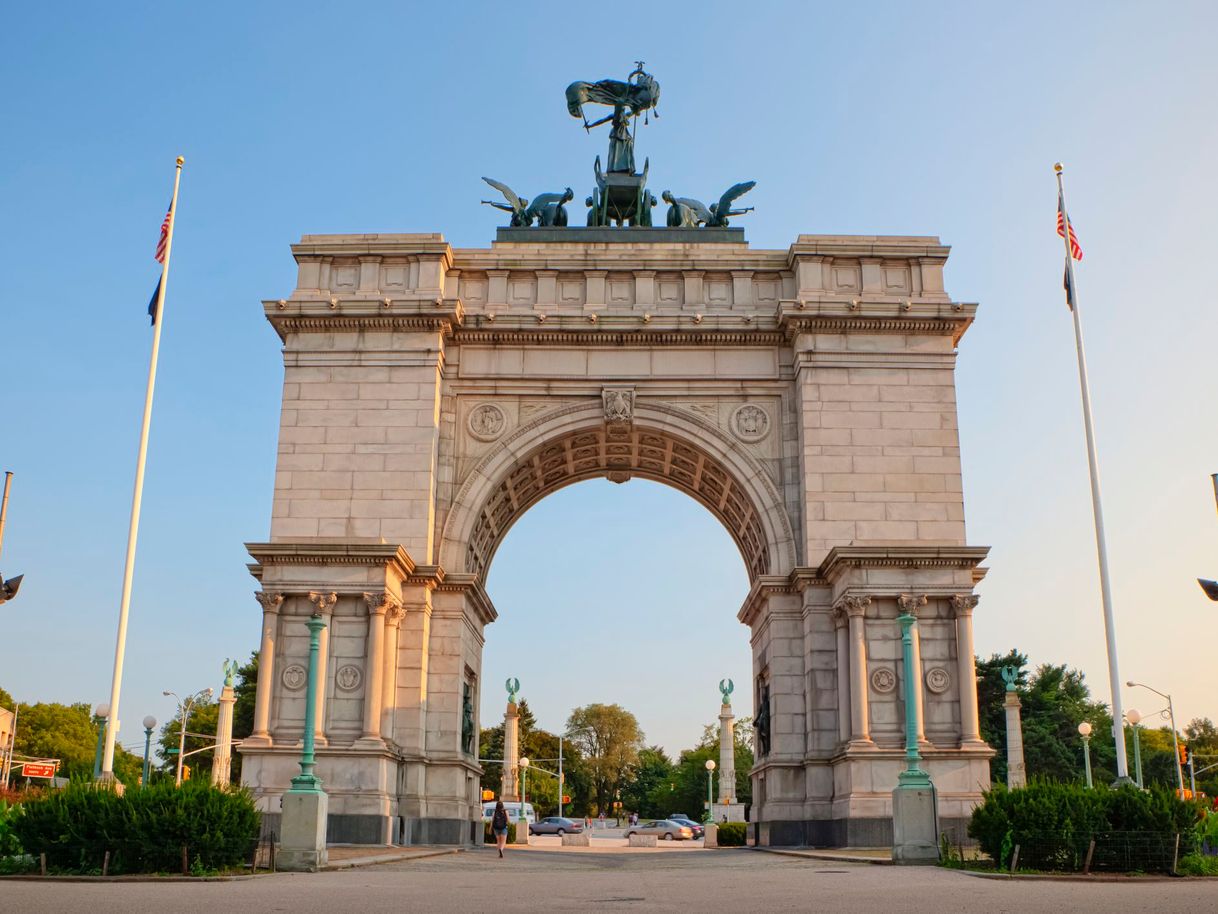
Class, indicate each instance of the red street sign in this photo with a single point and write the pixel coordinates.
(38, 769)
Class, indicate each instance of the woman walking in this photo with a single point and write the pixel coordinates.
(499, 825)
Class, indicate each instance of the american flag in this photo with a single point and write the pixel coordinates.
(163, 242)
(1076, 250)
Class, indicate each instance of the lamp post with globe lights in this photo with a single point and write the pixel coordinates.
(184, 707)
(101, 717)
(1084, 730)
(524, 791)
(1134, 716)
(1171, 713)
(149, 725)
(710, 790)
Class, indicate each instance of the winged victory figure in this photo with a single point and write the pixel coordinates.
(685, 212)
(517, 206)
(549, 209)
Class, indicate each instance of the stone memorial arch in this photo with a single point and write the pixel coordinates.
(805, 396)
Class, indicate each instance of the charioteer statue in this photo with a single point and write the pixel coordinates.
(620, 196)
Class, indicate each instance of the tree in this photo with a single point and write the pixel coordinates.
(609, 737)
(68, 733)
(648, 784)
(1203, 745)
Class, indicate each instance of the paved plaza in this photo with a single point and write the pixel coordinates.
(537, 879)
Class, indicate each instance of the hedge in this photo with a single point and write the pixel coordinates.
(732, 834)
(1054, 824)
(144, 830)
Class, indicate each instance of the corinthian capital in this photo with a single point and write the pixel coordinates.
(853, 604)
(380, 603)
(270, 601)
(910, 602)
(964, 603)
(323, 601)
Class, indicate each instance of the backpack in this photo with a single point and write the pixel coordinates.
(500, 819)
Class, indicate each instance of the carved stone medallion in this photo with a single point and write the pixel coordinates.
(883, 680)
(938, 680)
(348, 678)
(750, 422)
(487, 422)
(294, 677)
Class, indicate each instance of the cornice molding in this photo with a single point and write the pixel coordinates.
(616, 338)
(842, 558)
(475, 594)
(333, 552)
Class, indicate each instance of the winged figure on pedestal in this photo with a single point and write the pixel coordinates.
(685, 212)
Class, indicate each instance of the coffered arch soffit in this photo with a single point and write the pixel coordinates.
(663, 444)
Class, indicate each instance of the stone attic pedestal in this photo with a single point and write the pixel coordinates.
(510, 791)
(222, 763)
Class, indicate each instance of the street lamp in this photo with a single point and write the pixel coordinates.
(1171, 713)
(1134, 716)
(524, 790)
(710, 789)
(100, 717)
(183, 715)
(149, 724)
(1084, 730)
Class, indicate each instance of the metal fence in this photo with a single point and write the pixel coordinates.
(1096, 852)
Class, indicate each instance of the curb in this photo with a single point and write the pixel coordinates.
(35, 877)
(353, 862)
(826, 855)
(1079, 877)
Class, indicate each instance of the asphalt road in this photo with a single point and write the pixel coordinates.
(552, 880)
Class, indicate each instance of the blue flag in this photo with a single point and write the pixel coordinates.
(156, 293)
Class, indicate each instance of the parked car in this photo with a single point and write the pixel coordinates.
(697, 828)
(556, 825)
(662, 828)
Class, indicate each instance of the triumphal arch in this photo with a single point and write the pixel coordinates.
(805, 396)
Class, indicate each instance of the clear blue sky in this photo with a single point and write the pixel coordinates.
(868, 118)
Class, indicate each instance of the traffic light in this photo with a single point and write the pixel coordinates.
(488, 795)
(1183, 748)
(185, 772)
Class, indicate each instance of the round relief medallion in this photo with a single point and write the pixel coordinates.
(294, 677)
(487, 422)
(938, 680)
(883, 680)
(348, 678)
(750, 422)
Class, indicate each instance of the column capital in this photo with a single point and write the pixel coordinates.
(853, 604)
(840, 619)
(964, 603)
(270, 600)
(381, 603)
(323, 601)
(911, 602)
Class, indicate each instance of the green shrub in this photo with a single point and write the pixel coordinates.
(732, 834)
(144, 830)
(1053, 825)
(9, 845)
(1198, 865)
(488, 837)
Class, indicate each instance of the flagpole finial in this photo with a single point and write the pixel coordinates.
(180, 161)
(1057, 167)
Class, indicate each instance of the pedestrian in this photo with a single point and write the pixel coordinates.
(499, 825)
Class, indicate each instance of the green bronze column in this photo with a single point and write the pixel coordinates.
(307, 781)
(913, 775)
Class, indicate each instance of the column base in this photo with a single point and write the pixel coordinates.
(855, 745)
(257, 741)
(368, 742)
(977, 743)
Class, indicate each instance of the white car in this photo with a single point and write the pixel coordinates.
(513, 812)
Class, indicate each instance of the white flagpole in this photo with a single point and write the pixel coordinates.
(120, 647)
(1101, 545)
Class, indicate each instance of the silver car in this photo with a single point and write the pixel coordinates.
(662, 828)
(556, 825)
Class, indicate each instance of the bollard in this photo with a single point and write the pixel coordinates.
(42, 863)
